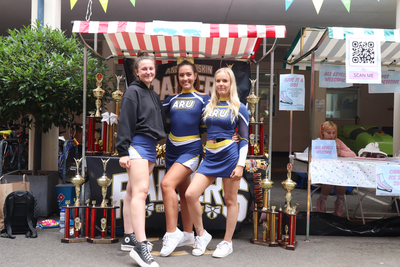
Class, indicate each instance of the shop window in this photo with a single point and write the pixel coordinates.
(341, 103)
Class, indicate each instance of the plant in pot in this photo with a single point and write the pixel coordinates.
(41, 81)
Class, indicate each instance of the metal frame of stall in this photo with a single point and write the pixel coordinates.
(326, 45)
(238, 42)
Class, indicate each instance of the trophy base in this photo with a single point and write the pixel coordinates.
(102, 240)
(264, 242)
(94, 153)
(285, 245)
(74, 240)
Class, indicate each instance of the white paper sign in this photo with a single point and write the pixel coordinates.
(291, 92)
(390, 83)
(331, 76)
(363, 60)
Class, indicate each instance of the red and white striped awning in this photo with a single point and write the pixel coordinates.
(169, 40)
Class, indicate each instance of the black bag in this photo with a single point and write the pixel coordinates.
(20, 214)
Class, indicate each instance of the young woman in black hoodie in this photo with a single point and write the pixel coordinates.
(140, 126)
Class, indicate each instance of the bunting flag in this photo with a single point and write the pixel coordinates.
(73, 2)
(347, 3)
(287, 3)
(133, 2)
(318, 4)
(104, 4)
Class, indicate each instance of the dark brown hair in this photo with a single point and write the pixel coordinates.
(142, 55)
(196, 82)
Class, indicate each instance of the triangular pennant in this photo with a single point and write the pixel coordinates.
(133, 2)
(287, 3)
(317, 5)
(104, 4)
(347, 3)
(73, 2)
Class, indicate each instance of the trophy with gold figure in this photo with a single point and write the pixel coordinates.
(252, 99)
(77, 180)
(288, 185)
(288, 241)
(117, 96)
(98, 93)
(104, 182)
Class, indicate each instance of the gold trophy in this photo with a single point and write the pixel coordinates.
(117, 96)
(252, 99)
(104, 182)
(98, 93)
(266, 184)
(77, 180)
(288, 185)
(103, 224)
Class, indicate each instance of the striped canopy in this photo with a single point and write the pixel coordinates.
(169, 40)
(329, 46)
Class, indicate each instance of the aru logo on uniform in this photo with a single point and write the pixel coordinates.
(219, 113)
(183, 104)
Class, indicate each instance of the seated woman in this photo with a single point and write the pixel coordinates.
(328, 131)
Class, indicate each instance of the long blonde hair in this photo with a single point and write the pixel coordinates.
(233, 96)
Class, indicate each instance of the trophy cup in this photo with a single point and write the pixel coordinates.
(252, 99)
(98, 93)
(77, 180)
(288, 185)
(96, 143)
(104, 182)
(266, 184)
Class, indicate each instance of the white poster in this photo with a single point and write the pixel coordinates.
(390, 83)
(291, 92)
(331, 76)
(363, 60)
(388, 180)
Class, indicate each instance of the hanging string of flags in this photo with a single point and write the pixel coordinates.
(318, 4)
(104, 4)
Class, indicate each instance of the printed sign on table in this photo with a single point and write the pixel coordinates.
(331, 76)
(390, 83)
(388, 180)
(363, 60)
(291, 92)
(323, 149)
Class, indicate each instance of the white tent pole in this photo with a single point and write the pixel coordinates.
(309, 145)
(83, 164)
(396, 104)
(271, 95)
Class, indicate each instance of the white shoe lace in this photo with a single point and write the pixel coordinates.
(197, 242)
(222, 244)
(146, 251)
(150, 246)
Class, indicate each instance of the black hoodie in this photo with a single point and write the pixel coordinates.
(141, 113)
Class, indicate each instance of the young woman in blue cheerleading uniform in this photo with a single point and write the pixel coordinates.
(140, 126)
(183, 154)
(224, 158)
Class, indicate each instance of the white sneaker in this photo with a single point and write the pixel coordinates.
(200, 244)
(188, 239)
(170, 241)
(224, 248)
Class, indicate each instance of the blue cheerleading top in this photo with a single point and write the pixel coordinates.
(220, 126)
(185, 110)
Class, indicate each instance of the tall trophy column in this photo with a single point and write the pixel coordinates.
(104, 208)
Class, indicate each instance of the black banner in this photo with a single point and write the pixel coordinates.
(212, 201)
(165, 83)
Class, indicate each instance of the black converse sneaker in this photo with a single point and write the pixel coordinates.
(141, 254)
(129, 242)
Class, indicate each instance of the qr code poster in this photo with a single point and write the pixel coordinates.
(291, 92)
(363, 60)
